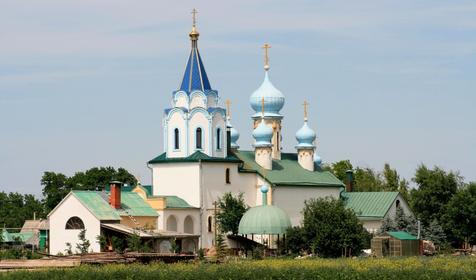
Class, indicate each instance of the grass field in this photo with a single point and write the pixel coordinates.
(368, 268)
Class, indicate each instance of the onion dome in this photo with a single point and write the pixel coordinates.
(262, 134)
(273, 98)
(305, 137)
(317, 160)
(234, 135)
(264, 219)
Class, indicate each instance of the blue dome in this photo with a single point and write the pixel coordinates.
(262, 134)
(234, 135)
(264, 189)
(273, 99)
(317, 159)
(305, 137)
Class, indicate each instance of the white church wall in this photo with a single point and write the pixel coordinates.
(212, 101)
(180, 179)
(214, 186)
(198, 99)
(181, 100)
(199, 118)
(291, 199)
(72, 207)
(176, 120)
(219, 122)
(180, 215)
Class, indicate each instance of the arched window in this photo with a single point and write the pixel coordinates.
(171, 223)
(198, 138)
(74, 223)
(176, 139)
(218, 138)
(227, 176)
(210, 223)
(397, 203)
(188, 225)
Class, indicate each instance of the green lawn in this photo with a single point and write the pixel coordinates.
(368, 268)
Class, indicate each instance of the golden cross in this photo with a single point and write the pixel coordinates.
(262, 106)
(228, 103)
(266, 57)
(194, 16)
(305, 109)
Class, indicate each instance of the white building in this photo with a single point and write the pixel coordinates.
(202, 161)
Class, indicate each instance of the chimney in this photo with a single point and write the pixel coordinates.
(115, 194)
(349, 182)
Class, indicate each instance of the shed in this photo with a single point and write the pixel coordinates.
(395, 244)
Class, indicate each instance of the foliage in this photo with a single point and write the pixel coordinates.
(102, 240)
(330, 230)
(69, 249)
(18, 252)
(295, 240)
(56, 185)
(134, 243)
(258, 253)
(460, 215)
(220, 247)
(232, 208)
(339, 168)
(435, 189)
(174, 247)
(435, 233)
(84, 244)
(401, 222)
(15, 208)
(117, 244)
(315, 268)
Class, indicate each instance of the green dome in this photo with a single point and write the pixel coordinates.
(267, 219)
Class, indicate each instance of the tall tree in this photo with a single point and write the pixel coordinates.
(232, 208)
(330, 229)
(339, 168)
(460, 215)
(56, 185)
(367, 180)
(391, 179)
(15, 208)
(435, 189)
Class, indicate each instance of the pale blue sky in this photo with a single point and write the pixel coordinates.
(84, 83)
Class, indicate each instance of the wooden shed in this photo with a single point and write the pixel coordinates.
(395, 244)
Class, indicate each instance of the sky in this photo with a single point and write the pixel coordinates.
(83, 83)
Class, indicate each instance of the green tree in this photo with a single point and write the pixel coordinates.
(56, 185)
(15, 208)
(434, 232)
(391, 179)
(460, 215)
(330, 229)
(54, 189)
(84, 244)
(220, 247)
(367, 180)
(232, 208)
(134, 242)
(339, 168)
(401, 222)
(435, 189)
(295, 240)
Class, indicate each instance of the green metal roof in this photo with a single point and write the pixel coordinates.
(97, 202)
(195, 157)
(402, 235)
(176, 202)
(268, 219)
(10, 237)
(132, 204)
(369, 204)
(97, 205)
(288, 172)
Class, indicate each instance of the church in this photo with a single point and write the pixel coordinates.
(201, 161)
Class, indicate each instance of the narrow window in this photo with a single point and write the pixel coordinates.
(198, 138)
(218, 138)
(176, 139)
(209, 223)
(397, 203)
(227, 176)
(277, 140)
